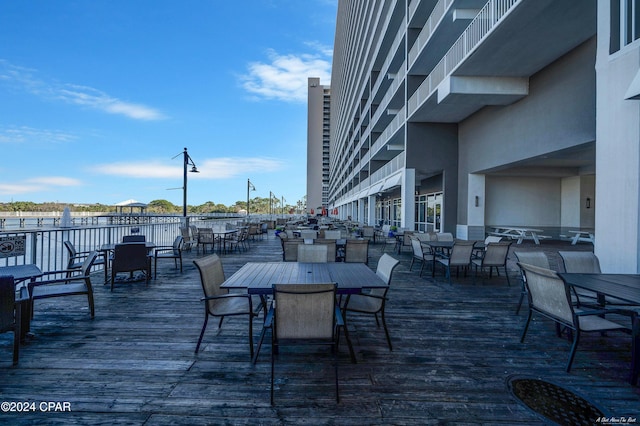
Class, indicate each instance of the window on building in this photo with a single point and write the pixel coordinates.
(624, 23)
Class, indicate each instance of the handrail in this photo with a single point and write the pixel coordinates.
(488, 17)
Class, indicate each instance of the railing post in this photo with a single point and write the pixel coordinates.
(34, 247)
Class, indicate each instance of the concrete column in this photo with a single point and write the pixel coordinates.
(408, 197)
(371, 213)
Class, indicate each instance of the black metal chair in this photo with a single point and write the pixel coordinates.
(10, 313)
(535, 258)
(217, 301)
(169, 252)
(130, 257)
(494, 256)
(460, 256)
(357, 251)
(72, 284)
(77, 258)
(550, 297)
(420, 253)
(134, 239)
(374, 301)
(304, 314)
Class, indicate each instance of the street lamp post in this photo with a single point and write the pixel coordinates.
(188, 161)
(252, 188)
(283, 200)
(271, 207)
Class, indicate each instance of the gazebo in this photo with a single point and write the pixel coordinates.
(128, 206)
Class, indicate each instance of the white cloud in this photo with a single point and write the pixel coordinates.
(93, 98)
(38, 184)
(215, 168)
(55, 181)
(285, 76)
(25, 134)
(75, 94)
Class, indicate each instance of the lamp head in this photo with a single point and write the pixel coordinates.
(194, 169)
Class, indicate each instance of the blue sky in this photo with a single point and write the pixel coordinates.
(97, 96)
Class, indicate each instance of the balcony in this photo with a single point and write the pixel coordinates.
(508, 41)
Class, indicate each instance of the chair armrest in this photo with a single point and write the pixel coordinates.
(597, 312)
(224, 296)
(73, 272)
(65, 280)
(163, 249)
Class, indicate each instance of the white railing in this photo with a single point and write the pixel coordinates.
(429, 27)
(45, 247)
(480, 26)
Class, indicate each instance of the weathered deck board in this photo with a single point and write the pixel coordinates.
(454, 347)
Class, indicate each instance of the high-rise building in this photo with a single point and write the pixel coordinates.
(319, 113)
(460, 116)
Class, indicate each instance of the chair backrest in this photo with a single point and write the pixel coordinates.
(357, 251)
(71, 249)
(368, 231)
(205, 235)
(88, 263)
(427, 236)
(211, 277)
(129, 257)
(331, 248)
(584, 262)
(308, 234)
(332, 234)
(444, 236)
(7, 303)
(304, 311)
(184, 231)
(133, 239)
(290, 249)
(535, 258)
(492, 239)
(406, 238)
(416, 245)
(312, 253)
(548, 293)
(177, 245)
(460, 253)
(386, 265)
(496, 253)
(194, 232)
(254, 229)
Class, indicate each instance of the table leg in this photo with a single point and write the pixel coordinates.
(263, 302)
(535, 237)
(346, 332)
(635, 351)
(25, 314)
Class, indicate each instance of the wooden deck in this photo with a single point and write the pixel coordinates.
(454, 348)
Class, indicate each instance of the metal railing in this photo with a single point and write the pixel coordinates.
(490, 15)
(45, 247)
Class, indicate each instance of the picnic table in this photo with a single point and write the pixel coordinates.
(579, 235)
(519, 234)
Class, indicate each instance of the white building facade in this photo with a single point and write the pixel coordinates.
(460, 115)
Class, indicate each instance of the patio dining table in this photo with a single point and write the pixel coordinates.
(621, 286)
(258, 278)
(22, 273)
